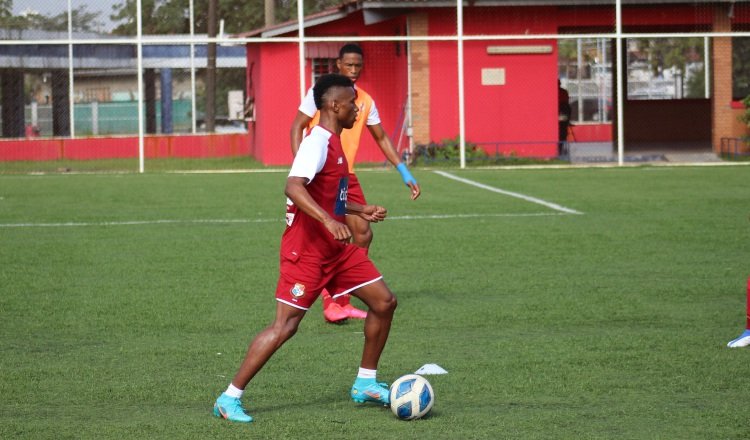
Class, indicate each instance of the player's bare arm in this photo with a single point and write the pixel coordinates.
(298, 129)
(371, 213)
(297, 193)
(386, 146)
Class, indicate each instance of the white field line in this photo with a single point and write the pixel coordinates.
(550, 205)
(259, 220)
(137, 223)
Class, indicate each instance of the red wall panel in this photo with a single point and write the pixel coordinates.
(175, 146)
(276, 99)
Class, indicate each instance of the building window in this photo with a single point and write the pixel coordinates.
(585, 71)
(740, 68)
(666, 68)
(322, 66)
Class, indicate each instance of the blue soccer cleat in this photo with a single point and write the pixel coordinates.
(370, 391)
(230, 408)
(742, 341)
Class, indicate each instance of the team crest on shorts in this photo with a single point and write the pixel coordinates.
(298, 290)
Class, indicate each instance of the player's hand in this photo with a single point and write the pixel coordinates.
(409, 180)
(415, 191)
(339, 231)
(373, 213)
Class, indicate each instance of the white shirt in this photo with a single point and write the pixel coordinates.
(308, 107)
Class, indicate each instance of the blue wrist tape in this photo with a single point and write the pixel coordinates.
(405, 174)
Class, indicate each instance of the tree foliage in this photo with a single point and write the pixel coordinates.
(83, 20)
(6, 9)
(172, 16)
(665, 53)
(679, 53)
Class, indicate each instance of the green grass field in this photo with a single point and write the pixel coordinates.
(127, 302)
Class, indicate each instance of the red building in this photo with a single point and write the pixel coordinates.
(510, 85)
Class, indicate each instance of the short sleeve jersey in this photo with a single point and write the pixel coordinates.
(368, 115)
(321, 160)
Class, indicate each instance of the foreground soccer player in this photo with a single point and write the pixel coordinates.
(350, 63)
(316, 253)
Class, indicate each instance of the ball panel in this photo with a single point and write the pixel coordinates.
(425, 399)
(404, 411)
(411, 397)
(404, 387)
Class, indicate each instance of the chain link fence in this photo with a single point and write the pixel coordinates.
(139, 85)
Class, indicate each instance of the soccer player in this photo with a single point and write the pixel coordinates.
(316, 253)
(743, 340)
(349, 64)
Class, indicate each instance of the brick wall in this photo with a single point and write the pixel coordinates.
(420, 79)
(724, 121)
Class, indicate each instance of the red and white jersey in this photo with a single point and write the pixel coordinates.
(322, 161)
(368, 115)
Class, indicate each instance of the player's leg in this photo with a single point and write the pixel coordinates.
(361, 237)
(265, 343)
(382, 304)
(743, 340)
(262, 347)
(357, 275)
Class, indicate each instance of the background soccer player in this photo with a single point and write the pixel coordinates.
(350, 63)
(316, 253)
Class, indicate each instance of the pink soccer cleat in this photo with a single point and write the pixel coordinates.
(353, 312)
(335, 314)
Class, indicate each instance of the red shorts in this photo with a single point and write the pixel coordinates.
(355, 193)
(301, 280)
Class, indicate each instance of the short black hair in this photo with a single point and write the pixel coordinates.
(350, 48)
(325, 82)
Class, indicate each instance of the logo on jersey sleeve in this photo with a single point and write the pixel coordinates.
(340, 208)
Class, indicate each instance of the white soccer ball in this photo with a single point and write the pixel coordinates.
(411, 397)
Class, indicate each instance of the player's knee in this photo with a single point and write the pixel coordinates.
(285, 330)
(392, 303)
(386, 306)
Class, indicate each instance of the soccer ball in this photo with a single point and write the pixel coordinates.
(411, 397)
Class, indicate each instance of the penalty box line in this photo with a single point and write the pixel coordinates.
(530, 199)
(259, 220)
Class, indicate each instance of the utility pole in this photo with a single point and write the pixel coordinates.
(211, 70)
(270, 12)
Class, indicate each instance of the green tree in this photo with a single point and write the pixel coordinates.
(7, 19)
(6, 9)
(171, 16)
(666, 53)
(159, 17)
(696, 86)
(83, 21)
